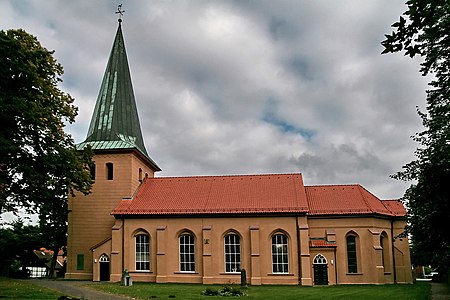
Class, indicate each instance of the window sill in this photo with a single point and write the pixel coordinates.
(185, 272)
(387, 273)
(280, 274)
(141, 271)
(354, 274)
(230, 273)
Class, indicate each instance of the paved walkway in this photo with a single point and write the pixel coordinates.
(76, 289)
(440, 291)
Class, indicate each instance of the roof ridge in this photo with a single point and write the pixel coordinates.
(331, 185)
(229, 175)
(365, 200)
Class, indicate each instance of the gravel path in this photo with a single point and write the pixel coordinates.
(76, 289)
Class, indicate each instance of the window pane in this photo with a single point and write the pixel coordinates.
(351, 254)
(187, 255)
(232, 253)
(142, 252)
(280, 259)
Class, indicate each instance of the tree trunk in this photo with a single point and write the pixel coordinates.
(51, 273)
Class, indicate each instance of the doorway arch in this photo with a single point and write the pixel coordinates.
(320, 266)
(104, 267)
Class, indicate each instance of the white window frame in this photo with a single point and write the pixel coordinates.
(232, 251)
(280, 254)
(142, 243)
(187, 253)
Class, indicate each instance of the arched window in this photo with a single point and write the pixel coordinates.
(187, 253)
(352, 262)
(142, 252)
(232, 253)
(280, 262)
(319, 259)
(104, 258)
(109, 171)
(385, 252)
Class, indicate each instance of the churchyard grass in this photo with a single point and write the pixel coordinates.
(420, 290)
(23, 289)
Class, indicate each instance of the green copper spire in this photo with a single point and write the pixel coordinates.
(115, 121)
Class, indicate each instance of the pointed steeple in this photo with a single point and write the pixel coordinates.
(115, 121)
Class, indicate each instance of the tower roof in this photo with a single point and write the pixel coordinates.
(115, 121)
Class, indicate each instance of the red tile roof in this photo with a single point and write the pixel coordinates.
(237, 194)
(321, 244)
(343, 199)
(279, 193)
(395, 207)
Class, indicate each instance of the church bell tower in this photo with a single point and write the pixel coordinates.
(121, 163)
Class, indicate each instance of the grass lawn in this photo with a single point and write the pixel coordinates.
(420, 290)
(22, 289)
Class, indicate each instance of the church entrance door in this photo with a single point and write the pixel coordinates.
(320, 266)
(104, 268)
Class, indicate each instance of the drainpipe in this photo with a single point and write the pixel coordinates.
(393, 250)
(335, 265)
(123, 244)
(299, 261)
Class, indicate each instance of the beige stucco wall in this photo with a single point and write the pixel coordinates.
(90, 219)
(256, 233)
(369, 251)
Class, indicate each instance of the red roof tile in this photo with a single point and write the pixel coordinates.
(274, 193)
(321, 244)
(395, 207)
(343, 199)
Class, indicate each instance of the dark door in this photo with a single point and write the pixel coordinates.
(320, 274)
(104, 271)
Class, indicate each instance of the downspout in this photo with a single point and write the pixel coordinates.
(335, 266)
(393, 251)
(299, 261)
(123, 244)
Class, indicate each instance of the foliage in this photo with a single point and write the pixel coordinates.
(424, 30)
(16, 247)
(226, 291)
(39, 164)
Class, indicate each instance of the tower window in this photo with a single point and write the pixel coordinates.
(109, 171)
(92, 171)
(140, 174)
(80, 261)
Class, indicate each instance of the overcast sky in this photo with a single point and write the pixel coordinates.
(247, 87)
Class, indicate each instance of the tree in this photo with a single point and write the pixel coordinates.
(424, 30)
(16, 247)
(39, 164)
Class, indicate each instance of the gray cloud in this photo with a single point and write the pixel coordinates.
(247, 86)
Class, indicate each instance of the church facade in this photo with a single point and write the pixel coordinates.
(206, 229)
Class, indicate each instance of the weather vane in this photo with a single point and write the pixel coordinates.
(120, 12)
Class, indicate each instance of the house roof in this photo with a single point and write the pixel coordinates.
(280, 193)
(251, 194)
(115, 121)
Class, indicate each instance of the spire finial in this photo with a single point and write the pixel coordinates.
(120, 12)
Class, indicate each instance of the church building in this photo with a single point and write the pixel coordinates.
(206, 229)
